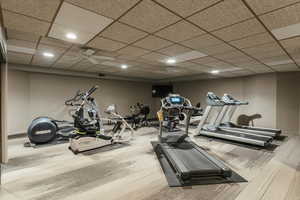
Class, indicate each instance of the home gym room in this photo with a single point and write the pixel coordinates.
(150, 99)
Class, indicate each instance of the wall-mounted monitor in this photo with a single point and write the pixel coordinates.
(161, 91)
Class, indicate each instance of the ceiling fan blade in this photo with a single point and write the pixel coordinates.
(103, 57)
(92, 60)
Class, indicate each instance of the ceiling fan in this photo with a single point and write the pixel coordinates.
(88, 54)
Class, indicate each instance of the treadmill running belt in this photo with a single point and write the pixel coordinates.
(173, 181)
(191, 159)
(253, 137)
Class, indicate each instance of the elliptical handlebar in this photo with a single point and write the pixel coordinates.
(80, 96)
(76, 98)
(91, 91)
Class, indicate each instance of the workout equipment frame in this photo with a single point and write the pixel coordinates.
(189, 162)
(213, 128)
(229, 110)
(90, 132)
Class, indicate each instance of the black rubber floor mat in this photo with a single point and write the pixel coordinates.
(173, 181)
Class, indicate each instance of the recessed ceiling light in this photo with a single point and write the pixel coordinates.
(215, 71)
(48, 54)
(171, 61)
(71, 36)
(124, 66)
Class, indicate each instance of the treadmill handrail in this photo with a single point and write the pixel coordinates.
(214, 100)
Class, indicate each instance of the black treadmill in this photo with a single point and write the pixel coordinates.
(189, 162)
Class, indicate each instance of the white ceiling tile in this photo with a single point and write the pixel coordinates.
(44, 10)
(23, 23)
(149, 16)
(110, 63)
(278, 60)
(20, 49)
(109, 8)
(287, 31)
(286, 67)
(60, 31)
(19, 35)
(187, 7)
(18, 58)
(189, 56)
(73, 19)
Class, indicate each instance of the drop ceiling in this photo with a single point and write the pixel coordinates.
(235, 37)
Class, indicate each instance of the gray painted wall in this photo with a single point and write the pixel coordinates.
(275, 96)
(259, 90)
(288, 100)
(34, 94)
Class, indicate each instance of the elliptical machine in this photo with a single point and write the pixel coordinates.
(89, 130)
(44, 130)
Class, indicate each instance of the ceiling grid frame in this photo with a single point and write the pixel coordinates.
(218, 37)
(179, 43)
(269, 31)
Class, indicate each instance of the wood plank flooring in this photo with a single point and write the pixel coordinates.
(132, 172)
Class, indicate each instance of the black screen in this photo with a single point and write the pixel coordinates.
(161, 91)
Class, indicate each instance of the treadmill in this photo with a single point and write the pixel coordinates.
(213, 129)
(228, 125)
(189, 162)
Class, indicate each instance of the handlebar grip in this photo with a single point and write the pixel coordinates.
(192, 108)
(92, 90)
(198, 109)
(244, 103)
(68, 103)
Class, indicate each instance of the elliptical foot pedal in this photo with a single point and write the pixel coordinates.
(81, 144)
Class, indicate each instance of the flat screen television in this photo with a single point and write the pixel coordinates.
(161, 91)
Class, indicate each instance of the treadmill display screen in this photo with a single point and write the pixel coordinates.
(176, 100)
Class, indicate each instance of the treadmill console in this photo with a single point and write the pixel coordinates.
(174, 101)
(229, 100)
(232, 101)
(214, 100)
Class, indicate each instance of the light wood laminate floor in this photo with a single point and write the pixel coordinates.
(132, 172)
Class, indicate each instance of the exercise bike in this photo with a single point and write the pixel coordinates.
(139, 116)
(89, 131)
